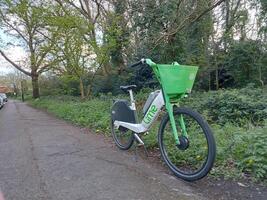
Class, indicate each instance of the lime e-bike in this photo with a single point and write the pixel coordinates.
(185, 139)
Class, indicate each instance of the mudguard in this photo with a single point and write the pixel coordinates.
(122, 112)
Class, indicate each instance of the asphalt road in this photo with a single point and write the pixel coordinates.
(42, 157)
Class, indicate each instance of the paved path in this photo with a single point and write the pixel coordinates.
(42, 157)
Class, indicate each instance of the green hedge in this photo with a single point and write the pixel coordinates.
(235, 106)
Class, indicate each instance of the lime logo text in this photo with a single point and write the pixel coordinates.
(150, 114)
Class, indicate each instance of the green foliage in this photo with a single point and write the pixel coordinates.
(235, 106)
(255, 153)
(50, 86)
(111, 83)
(93, 113)
(198, 43)
(243, 61)
(240, 151)
(155, 18)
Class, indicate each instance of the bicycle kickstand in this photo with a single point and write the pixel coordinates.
(139, 142)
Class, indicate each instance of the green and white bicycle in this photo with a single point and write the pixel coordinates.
(185, 139)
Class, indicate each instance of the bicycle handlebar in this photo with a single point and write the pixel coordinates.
(142, 61)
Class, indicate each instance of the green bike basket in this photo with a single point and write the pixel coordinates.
(176, 79)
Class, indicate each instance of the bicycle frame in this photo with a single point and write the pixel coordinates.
(151, 116)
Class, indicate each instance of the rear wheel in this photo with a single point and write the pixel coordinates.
(123, 137)
(194, 157)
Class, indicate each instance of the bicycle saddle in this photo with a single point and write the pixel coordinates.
(127, 87)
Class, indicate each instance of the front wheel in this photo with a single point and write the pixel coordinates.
(194, 157)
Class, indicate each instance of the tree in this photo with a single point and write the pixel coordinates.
(26, 20)
(13, 79)
(170, 31)
(104, 31)
(74, 52)
(243, 60)
(118, 31)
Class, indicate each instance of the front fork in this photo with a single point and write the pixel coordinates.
(169, 108)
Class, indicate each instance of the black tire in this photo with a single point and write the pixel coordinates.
(117, 134)
(176, 158)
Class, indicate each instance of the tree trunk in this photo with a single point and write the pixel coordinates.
(81, 88)
(89, 90)
(217, 78)
(35, 87)
(209, 82)
(260, 77)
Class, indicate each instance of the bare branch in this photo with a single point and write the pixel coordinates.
(183, 23)
(82, 7)
(98, 4)
(178, 5)
(43, 54)
(232, 17)
(81, 10)
(208, 10)
(49, 66)
(14, 64)
(13, 28)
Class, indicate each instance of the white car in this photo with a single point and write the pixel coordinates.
(1, 102)
(4, 97)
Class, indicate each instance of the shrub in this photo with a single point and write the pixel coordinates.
(254, 159)
(235, 106)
